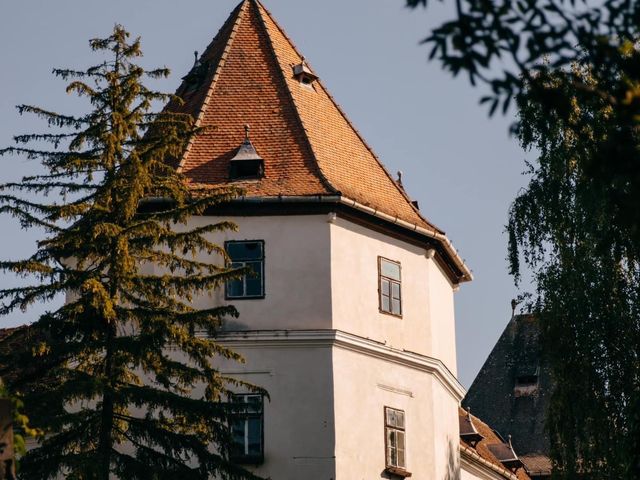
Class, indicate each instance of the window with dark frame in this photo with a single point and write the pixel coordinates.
(526, 383)
(247, 425)
(389, 286)
(246, 169)
(394, 430)
(249, 255)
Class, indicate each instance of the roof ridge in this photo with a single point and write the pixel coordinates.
(242, 7)
(323, 178)
(344, 115)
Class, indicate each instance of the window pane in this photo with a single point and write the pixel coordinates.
(237, 436)
(254, 403)
(395, 290)
(389, 269)
(399, 419)
(400, 440)
(244, 250)
(384, 287)
(254, 446)
(254, 279)
(395, 306)
(235, 288)
(391, 416)
(391, 456)
(400, 459)
(385, 304)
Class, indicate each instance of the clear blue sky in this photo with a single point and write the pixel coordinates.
(461, 166)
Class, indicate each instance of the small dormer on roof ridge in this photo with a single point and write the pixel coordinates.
(194, 78)
(246, 164)
(506, 455)
(468, 431)
(303, 73)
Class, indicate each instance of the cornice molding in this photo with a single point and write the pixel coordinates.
(346, 341)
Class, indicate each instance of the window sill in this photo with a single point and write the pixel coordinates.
(398, 472)
(384, 312)
(247, 459)
(257, 297)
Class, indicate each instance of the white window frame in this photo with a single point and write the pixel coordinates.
(395, 440)
(391, 281)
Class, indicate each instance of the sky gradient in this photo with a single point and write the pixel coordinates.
(461, 166)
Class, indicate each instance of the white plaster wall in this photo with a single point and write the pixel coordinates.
(363, 387)
(299, 417)
(465, 475)
(325, 275)
(427, 323)
(297, 272)
(446, 432)
(442, 317)
(470, 470)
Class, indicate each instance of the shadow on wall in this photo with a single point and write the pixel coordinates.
(453, 462)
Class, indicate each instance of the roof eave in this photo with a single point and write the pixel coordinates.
(465, 276)
(453, 257)
(474, 457)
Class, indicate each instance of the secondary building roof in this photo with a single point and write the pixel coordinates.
(512, 391)
(486, 450)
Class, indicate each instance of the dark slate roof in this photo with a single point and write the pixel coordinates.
(512, 391)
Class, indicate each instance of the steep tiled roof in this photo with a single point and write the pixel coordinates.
(481, 450)
(309, 147)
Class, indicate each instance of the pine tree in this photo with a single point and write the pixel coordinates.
(130, 390)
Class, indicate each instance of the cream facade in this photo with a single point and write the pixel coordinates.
(332, 361)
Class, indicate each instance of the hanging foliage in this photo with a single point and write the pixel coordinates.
(569, 231)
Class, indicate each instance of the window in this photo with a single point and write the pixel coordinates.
(389, 286)
(249, 255)
(247, 428)
(394, 430)
(526, 384)
(246, 169)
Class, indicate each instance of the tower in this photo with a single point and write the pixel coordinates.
(348, 318)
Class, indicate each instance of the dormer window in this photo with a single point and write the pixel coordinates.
(193, 80)
(506, 455)
(526, 384)
(246, 170)
(468, 431)
(303, 73)
(246, 164)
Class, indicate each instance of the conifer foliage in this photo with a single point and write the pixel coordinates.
(130, 391)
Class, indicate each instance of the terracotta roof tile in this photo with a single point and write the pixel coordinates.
(481, 448)
(308, 145)
(537, 464)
